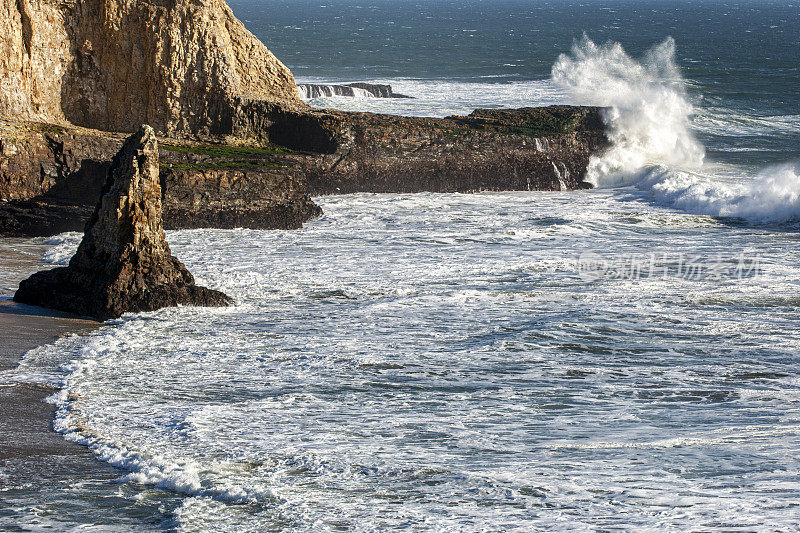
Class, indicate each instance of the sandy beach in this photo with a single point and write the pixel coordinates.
(38, 468)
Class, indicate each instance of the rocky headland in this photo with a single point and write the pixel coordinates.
(123, 263)
(238, 148)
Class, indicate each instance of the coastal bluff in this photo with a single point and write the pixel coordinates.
(115, 64)
(237, 146)
(123, 263)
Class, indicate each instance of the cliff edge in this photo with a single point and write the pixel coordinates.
(115, 64)
(240, 149)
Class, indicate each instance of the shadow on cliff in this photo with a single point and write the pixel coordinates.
(66, 206)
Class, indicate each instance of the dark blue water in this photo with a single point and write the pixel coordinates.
(740, 58)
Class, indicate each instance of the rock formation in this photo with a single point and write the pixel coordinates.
(364, 90)
(115, 64)
(531, 149)
(242, 149)
(50, 177)
(265, 183)
(123, 263)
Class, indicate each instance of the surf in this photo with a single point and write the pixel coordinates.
(653, 143)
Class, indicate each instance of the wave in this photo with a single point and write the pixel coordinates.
(773, 196)
(308, 91)
(444, 97)
(653, 146)
(649, 113)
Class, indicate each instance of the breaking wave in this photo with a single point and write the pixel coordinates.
(653, 147)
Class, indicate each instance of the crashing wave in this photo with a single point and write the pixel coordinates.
(652, 143)
(308, 91)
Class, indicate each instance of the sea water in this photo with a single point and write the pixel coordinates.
(625, 357)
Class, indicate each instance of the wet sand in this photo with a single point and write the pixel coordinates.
(38, 468)
(25, 421)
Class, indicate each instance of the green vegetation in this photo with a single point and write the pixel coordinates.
(547, 125)
(225, 150)
(530, 124)
(455, 133)
(221, 157)
(246, 164)
(42, 127)
(48, 128)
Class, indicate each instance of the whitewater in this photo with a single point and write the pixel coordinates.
(439, 362)
(652, 125)
(653, 145)
(624, 357)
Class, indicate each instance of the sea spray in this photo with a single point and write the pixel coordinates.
(652, 143)
(648, 115)
(773, 196)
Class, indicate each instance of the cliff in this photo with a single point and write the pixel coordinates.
(51, 176)
(240, 149)
(123, 262)
(489, 150)
(115, 64)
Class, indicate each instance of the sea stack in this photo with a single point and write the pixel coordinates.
(123, 263)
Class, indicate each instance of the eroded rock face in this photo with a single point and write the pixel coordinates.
(115, 64)
(529, 149)
(51, 177)
(373, 90)
(123, 263)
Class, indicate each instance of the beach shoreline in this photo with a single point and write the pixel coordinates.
(27, 418)
(37, 464)
(29, 448)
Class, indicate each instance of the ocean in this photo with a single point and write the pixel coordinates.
(619, 358)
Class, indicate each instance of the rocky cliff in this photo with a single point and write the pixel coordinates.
(115, 64)
(123, 263)
(48, 174)
(240, 148)
(50, 177)
(489, 150)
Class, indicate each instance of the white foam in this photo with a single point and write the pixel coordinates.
(653, 144)
(441, 98)
(773, 196)
(648, 116)
(432, 361)
(63, 247)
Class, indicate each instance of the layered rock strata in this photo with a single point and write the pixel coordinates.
(262, 176)
(50, 177)
(489, 150)
(242, 149)
(123, 263)
(115, 64)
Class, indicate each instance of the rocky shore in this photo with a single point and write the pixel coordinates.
(263, 173)
(51, 176)
(359, 89)
(238, 146)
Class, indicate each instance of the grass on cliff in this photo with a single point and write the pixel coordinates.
(541, 124)
(224, 157)
(225, 150)
(247, 164)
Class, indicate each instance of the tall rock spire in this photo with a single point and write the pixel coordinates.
(123, 263)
